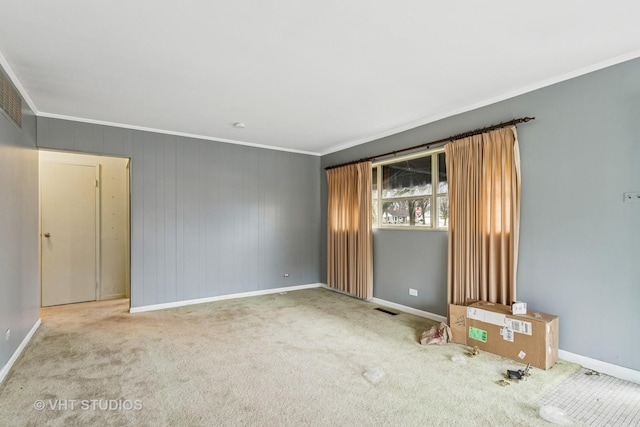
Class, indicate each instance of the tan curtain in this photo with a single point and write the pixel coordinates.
(483, 173)
(349, 235)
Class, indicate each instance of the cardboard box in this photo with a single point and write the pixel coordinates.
(527, 338)
(458, 323)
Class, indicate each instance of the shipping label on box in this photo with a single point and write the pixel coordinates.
(477, 334)
(485, 316)
(519, 326)
(507, 334)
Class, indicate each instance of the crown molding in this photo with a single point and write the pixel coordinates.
(169, 132)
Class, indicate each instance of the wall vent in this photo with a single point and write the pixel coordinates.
(10, 100)
(386, 311)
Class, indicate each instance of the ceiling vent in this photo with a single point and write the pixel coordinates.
(10, 100)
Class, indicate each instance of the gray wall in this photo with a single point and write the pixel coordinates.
(580, 244)
(207, 218)
(19, 261)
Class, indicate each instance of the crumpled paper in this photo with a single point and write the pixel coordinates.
(440, 334)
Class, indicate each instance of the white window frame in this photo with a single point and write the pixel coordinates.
(434, 193)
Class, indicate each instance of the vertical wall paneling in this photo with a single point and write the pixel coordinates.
(215, 215)
(170, 221)
(161, 223)
(91, 137)
(178, 293)
(191, 164)
(207, 218)
(261, 216)
(61, 135)
(225, 206)
(200, 184)
(19, 267)
(150, 234)
(137, 221)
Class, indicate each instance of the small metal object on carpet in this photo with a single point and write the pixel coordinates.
(520, 374)
(473, 352)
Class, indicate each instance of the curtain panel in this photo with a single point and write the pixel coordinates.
(349, 233)
(483, 173)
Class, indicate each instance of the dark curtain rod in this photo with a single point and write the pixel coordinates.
(440, 141)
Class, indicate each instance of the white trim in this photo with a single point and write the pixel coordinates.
(404, 308)
(220, 298)
(422, 153)
(169, 132)
(435, 195)
(16, 82)
(409, 310)
(508, 95)
(5, 370)
(602, 367)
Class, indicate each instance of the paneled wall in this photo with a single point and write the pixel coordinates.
(19, 267)
(207, 218)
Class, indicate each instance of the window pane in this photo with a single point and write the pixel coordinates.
(442, 174)
(415, 212)
(374, 196)
(407, 178)
(443, 211)
(374, 182)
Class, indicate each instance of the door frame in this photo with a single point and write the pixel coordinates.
(73, 159)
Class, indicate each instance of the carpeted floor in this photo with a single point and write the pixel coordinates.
(289, 359)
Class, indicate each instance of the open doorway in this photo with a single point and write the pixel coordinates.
(84, 228)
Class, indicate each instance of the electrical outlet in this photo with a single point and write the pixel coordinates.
(286, 274)
(632, 197)
(7, 335)
(413, 292)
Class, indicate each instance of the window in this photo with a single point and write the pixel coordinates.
(403, 192)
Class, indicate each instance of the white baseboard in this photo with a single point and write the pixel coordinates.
(6, 368)
(221, 298)
(400, 307)
(602, 367)
(409, 310)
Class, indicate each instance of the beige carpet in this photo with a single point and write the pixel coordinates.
(288, 359)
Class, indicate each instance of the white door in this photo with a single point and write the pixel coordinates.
(68, 215)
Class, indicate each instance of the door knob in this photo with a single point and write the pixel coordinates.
(47, 234)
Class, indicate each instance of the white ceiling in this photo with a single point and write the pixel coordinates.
(310, 76)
